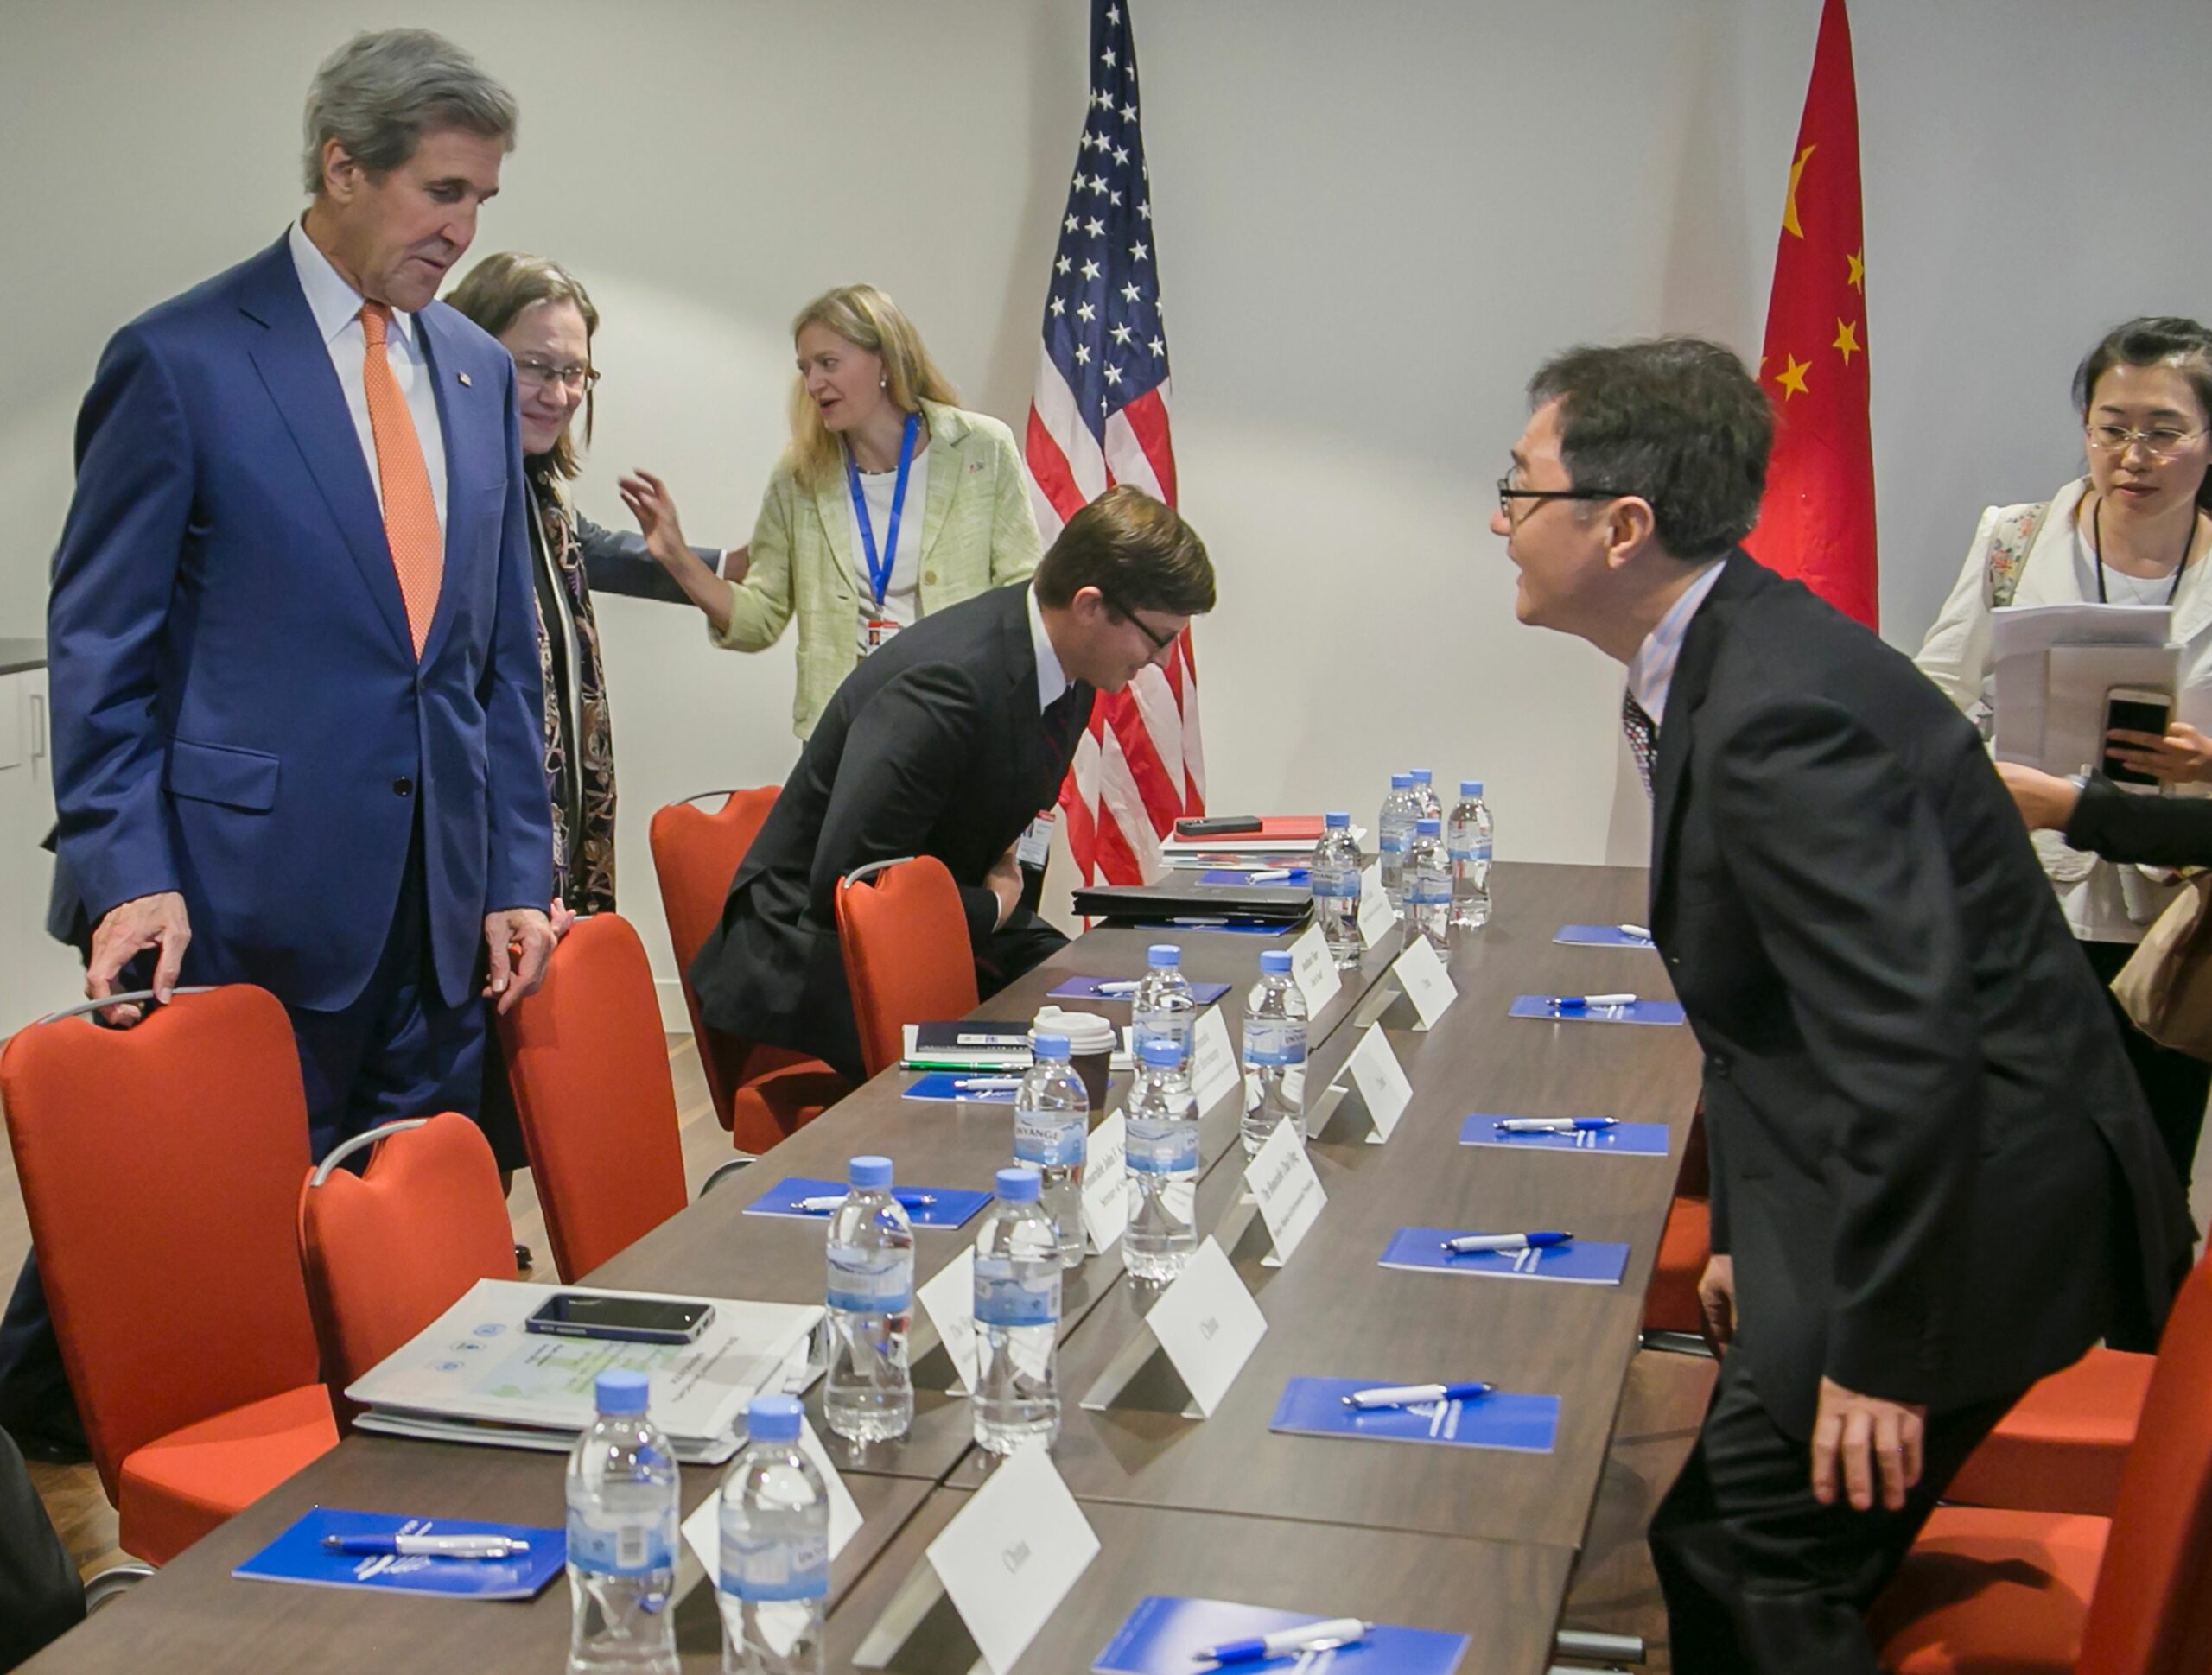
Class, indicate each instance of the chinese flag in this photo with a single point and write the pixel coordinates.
(1817, 520)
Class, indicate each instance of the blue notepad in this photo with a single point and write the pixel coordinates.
(943, 1086)
(1163, 1635)
(954, 1205)
(1314, 1407)
(1299, 877)
(1639, 1011)
(1634, 1140)
(1579, 1261)
(1600, 935)
(298, 1555)
(1086, 988)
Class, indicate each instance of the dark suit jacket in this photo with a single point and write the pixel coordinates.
(238, 711)
(2153, 831)
(933, 747)
(1931, 1162)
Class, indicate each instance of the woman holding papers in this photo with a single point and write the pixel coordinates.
(890, 502)
(2134, 531)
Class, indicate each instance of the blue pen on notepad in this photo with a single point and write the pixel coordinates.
(1590, 1002)
(434, 1546)
(1287, 1642)
(1633, 930)
(828, 1202)
(1468, 1243)
(987, 1084)
(1554, 1125)
(1118, 986)
(1413, 1395)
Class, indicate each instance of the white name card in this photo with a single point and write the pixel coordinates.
(1380, 1081)
(1106, 1185)
(1422, 974)
(1287, 1191)
(1012, 1555)
(1376, 921)
(949, 1304)
(1214, 1075)
(1315, 969)
(1208, 1325)
(703, 1531)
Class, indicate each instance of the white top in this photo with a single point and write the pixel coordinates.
(902, 595)
(336, 306)
(1651, 671)
(1052, 679)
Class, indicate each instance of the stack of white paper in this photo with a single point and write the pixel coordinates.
(2055, 666)
(475, 1374)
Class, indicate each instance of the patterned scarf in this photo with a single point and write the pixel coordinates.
(583, 849)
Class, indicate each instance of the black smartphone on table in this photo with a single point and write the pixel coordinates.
(1217, 825)
(632, 1319)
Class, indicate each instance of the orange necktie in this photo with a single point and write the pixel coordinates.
(411, 515)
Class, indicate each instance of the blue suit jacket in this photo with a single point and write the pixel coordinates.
(239, 713)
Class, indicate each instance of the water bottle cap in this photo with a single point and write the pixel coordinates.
(1331, 822)
(1428, 826)
(1471, 787)
(1051, 1049)
(1401, 782)
(1275, 962)
(869, 1173)
(1163, 956)
(1422, 776)
(773, 1419)
(1021, 1185)
(1162, 1052)
(621, 1392)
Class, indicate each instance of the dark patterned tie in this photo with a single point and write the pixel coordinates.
(1642, 737)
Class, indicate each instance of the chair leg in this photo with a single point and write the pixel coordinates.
(1675, 1343)
(113, 1583)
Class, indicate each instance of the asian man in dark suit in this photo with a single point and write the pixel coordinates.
(1934, 1179)
(947, 742)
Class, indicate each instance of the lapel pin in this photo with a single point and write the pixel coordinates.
(464, 379)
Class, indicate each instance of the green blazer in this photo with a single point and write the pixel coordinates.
(977, 533)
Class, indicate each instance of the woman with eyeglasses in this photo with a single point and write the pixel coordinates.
(2136, 530)
(891, 502)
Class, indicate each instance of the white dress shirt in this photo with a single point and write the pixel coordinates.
(1651, 671)
(1052, 679)
(337, 309)
(902, 594)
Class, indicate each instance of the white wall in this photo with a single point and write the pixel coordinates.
(1373, 220)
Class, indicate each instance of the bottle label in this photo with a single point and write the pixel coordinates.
(871, 1282)
(1428, 889)
(769, 1572)
(1274, 1043)
(1154, 1147)
(1395, 843)
(1002, 1298)
(608, 1544)
(1478, 850)
(1048, 1140)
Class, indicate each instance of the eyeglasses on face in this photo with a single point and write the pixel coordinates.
(532, 371)
(1507, 494)
(1159, 641)
(2160, 442)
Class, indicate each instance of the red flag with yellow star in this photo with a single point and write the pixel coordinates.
(1817, 520)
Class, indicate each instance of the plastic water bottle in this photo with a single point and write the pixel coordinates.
(775, 1559)
(1017, 1319)
(1163, 1008)
(1275, 1052)
(1051, 1131)
(1467, 840)
(1394, 831)
(1427, 805)
(1335, 873)
(1161, 1152)
(868, 1394)
(1428, 883)
(622, 1519)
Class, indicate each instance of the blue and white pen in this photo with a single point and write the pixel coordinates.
(1468, 1243)
(1590, 1002)
(1118, 986)
(1413, 1395)
(987, 1084)
(828, 1202)
(434, 1546)
(1553, 1124)
(1636, 930)
(1285, 1642)
(1273, 875)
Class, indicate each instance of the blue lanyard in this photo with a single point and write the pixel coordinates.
(879, 564)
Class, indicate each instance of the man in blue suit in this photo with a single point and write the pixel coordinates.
(295, 671)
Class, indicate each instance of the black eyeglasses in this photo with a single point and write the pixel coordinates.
(1507, 494)
(1159, 641)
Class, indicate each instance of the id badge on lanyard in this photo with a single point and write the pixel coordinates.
(876, 625)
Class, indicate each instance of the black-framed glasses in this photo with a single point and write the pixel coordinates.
(1507, 494)
(1159, 641)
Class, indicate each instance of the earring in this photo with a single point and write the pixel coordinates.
(883, 384)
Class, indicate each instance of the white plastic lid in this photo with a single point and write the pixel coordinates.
(1086, 1031)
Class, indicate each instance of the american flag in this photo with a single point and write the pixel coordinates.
(1099, 417)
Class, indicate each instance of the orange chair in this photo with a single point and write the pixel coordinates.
(386, 1252)
(159, 1166)
(2064, 1448)
(762, 1095)
(908, 961)
(1673, 1317)
(589, 1065)
(2028, 1593)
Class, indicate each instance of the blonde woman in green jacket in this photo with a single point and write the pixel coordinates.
(891, 502)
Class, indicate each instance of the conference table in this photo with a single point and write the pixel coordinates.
(1478, 1541)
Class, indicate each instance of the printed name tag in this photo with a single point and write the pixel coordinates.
(1380, 1081)
(1288, 1192)
(1420, 974)
(1012, 1555)
(1315, 969)
(1214, 1075)
(1208, 1324)
(1105, 1184)
(1376, 919)
(949, 1301)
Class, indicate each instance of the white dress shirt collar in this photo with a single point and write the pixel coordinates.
(335, 303)
(1052, 679)
(1651, 671)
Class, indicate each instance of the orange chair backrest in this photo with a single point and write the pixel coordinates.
(589, 1065)
(696, 854)
(160, 1167)
(907, 959)
(386, 1252)
(2151, 1613)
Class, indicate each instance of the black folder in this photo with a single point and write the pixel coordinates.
(1172, 899)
